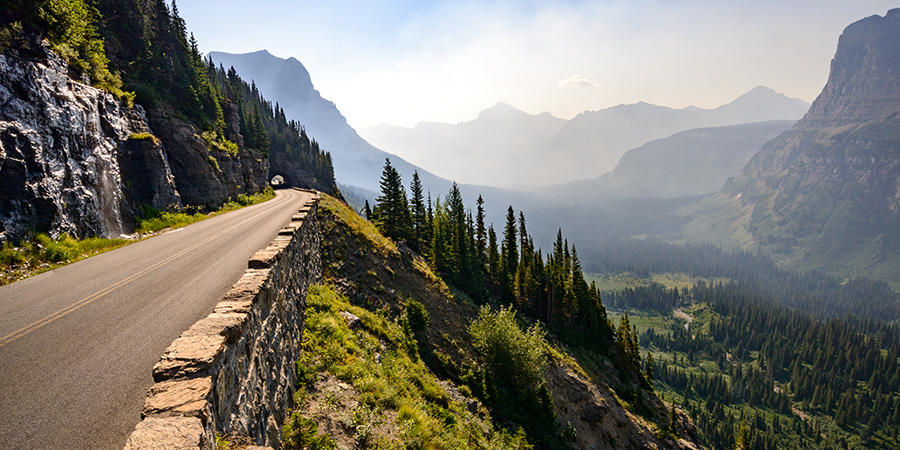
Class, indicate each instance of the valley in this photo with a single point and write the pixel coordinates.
(634, 276)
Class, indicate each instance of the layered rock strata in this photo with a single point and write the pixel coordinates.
(826, 194)
(233, 371)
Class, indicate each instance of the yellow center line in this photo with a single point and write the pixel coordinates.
(75, 306)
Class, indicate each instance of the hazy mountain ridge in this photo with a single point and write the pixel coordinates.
(525, 149)
(287, 82)
(481, 151)
(356, 162)
(692, 162)
(825, 194)
(593, 142)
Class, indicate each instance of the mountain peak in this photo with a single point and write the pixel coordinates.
(862, 85)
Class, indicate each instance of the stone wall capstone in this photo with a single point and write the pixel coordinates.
(233, 372)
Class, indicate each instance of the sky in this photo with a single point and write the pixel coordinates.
(402, 62)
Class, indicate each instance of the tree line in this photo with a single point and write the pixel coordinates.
(776, 358)
(504, 266)
(813, 291)
(141, 50)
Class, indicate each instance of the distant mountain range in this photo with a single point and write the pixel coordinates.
(507, 147)
(826, 194)
(357, 163)
(481, 151)
(692, 162)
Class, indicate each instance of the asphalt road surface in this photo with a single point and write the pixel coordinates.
(77, 344)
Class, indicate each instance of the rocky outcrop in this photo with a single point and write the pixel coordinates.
(233, 372)
(63, 146)
(207, 176)
(600, 422)
(864, 83)
(75, 159)
(827, 193)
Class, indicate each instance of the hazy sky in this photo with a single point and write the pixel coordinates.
(402, 62)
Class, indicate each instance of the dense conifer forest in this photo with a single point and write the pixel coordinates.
(775, 359)
(800, 379)
(506, 270)
(813, 291)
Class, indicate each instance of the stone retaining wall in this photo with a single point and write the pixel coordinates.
(234, 371)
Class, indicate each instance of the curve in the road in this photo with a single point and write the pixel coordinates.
(79, 342)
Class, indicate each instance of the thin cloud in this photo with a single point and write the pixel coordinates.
(576, 81)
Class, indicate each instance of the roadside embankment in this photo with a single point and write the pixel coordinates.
(233, 371)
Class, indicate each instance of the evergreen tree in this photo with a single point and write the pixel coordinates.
(421, 232)
(391, 211)
(494, 264)
(509, 259)
(480, 232)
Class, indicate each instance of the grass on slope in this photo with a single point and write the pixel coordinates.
(622, 280)
(364, 386)
(41, 253)
(178, 217)
(379, 277)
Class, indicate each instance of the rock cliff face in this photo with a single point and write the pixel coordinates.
(827, 193)
(207, 176)
(74, 159)
(63, 146)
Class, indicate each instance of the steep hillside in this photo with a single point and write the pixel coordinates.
(825, 194)
(287, 82)
(692, 162)
(382, 279)
(484, 151)
(111, 115)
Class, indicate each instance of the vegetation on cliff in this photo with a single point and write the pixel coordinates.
(145, 48)
(39, 252)
(561, 396)
(70, 26)
(363, 384)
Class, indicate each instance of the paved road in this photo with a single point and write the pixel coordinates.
(77, 344)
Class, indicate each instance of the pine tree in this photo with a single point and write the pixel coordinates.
(391, 211)
(494, 264)
(420, 230)
(648, 370)
(480, 232)
(509, 259)
(742, 439)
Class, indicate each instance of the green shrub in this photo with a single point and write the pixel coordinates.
(244, 199)
(301, 433)
(216, 141)
(213, 162)
(10, 256)
(510, 354)
(144, 137)
(514, 377)
(417, 316)
(62, 249)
